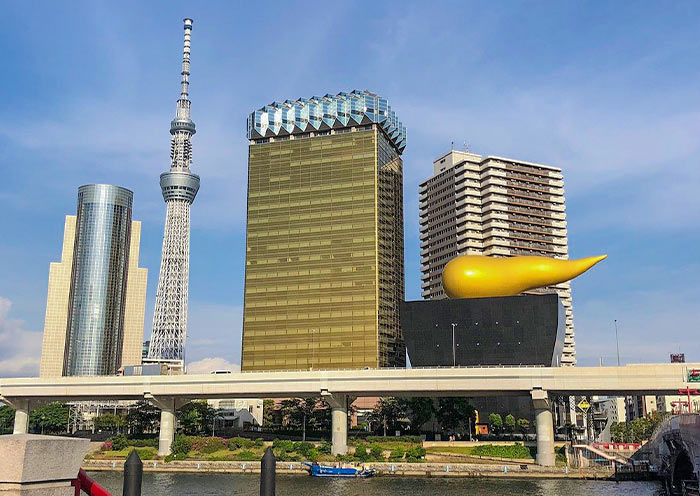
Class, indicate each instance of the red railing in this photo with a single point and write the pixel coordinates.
(88, 486)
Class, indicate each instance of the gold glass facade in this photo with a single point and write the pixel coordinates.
(324, 259)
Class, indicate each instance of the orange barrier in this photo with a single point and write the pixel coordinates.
(88, 486)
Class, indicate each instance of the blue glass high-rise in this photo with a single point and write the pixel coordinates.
(98, 281)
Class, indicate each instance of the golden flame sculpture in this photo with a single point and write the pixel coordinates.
(476, 276)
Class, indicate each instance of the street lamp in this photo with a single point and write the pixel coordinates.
(617, 343)
(454, 352)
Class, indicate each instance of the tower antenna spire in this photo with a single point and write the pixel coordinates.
(184, 93)
(179, 187)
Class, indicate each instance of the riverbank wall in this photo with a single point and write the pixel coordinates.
(387, 469)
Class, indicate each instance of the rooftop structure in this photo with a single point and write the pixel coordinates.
(323, 113)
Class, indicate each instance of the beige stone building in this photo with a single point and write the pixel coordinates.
(494, 206)
(94, 313)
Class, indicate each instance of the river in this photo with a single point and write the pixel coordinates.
(178, 484)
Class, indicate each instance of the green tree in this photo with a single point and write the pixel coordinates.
(418, 410)
(510, 424)
(196, 418)
(641, 429)
(495, 423)
(109, 422)
(453, 414)
(51, 418)
(270, 417)
(387, 414)
(315, 413)
(191, 421)
(7, 418)
(321, 416)
(619, 432)
(142, 418)
(656, 418)
(523, 425)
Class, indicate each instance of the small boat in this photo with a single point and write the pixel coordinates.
(317, 470)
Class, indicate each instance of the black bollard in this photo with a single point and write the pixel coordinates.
(268, 468)
(133, 472)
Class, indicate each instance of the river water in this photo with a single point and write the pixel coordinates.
(178, 484)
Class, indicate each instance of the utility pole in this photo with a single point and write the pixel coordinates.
(617, 343)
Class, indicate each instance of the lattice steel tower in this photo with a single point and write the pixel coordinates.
(179, 187)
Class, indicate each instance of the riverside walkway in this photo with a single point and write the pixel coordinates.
(340, 387)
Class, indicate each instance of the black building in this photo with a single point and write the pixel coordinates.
(511, 330)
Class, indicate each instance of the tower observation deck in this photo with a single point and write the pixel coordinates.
(179, 187)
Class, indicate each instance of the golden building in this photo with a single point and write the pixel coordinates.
(97, 293)
(324, 259)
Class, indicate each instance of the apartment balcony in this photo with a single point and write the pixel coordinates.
(536, 171)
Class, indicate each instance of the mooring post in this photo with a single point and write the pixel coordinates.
(133, 473)
(268, 467)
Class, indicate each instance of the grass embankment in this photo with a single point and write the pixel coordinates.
(241, 449)
(145, 453)
(514, 451)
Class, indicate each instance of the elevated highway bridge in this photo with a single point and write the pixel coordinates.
(340, 387)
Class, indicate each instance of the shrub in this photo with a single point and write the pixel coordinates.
(361, 453)
(325, 448)
(284, 456)
(376, 452)
(285, 446)
(303, 447)
(207, 445)
(259, 443)
(119, 442)
(396, 454)
(239, 442)
(344, 458)
(402, 439)
(312, 455)
(181, 446)
(417, 452)
(175, 456)
(144, 443)
(246, 456)
(512, 451)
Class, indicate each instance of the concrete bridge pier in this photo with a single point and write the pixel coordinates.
(167, 427)
(339, 418)
(21, 416)
(168, 406)
(21, 407)
(544, 424)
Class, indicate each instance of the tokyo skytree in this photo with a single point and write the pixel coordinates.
(179, 188)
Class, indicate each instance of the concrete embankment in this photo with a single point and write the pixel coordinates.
(383, 469)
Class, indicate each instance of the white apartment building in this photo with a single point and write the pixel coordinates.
(494, 206)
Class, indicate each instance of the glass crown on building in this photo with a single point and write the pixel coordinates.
(322, 113)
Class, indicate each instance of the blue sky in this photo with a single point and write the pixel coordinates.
(607, 91)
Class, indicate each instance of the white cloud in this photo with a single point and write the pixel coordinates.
(208, 365)
(20, 349)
